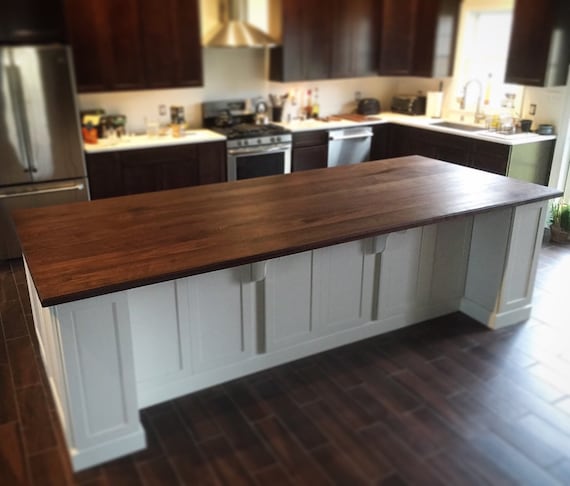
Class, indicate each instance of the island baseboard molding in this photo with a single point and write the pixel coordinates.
(109, 356)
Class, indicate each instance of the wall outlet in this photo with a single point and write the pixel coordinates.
(357, 96)
(532, 109)
(162, 110)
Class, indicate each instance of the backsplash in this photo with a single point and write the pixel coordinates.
(235, 73)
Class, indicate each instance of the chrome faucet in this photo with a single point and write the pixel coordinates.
(479, 115)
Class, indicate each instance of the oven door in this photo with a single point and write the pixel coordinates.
(246, 163)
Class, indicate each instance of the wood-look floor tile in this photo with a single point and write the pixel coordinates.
(196, 417)
(331, 423)
(49, 469)
(13, 320)
(325, 388)
(273, 475)
(246, 444)
(8, 289)
(301, 467)
(290, 414)
(37, 426)
(225, 462)
(293, 380)
(251, 406)
(409, 466)
(23, 362)
(157, 472)
(12, 459)
(24, 298)
(8, 411)
(122, 471)
(512, 462)
(338, 466)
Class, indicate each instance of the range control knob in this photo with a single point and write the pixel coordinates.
(239, 143)
(279, 139)
(259, 141)
(272, 139)
(245, 142)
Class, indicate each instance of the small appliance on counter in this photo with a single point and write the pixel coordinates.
(409, 104)
(368, 106)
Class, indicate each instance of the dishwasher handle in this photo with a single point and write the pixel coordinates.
(349, 137)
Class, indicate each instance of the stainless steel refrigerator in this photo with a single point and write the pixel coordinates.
(41, 151)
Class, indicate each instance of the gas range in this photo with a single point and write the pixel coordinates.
(232, 119)
(250, 135)
(253, 150)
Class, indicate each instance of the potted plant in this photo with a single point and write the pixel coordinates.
(560, 221)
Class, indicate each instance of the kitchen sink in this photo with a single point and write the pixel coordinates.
(458, 126)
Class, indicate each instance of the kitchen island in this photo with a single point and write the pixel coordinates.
(140, 299)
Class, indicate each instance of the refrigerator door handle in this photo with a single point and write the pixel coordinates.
(14, 75)
(74, 187)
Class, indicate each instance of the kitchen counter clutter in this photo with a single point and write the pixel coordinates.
(423, 122)
(133, 142)
(165, 293)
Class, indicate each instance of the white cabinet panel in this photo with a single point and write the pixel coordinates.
(288, 295)
(221, 314)
(161, 339)
(399, 270)
(343, 286)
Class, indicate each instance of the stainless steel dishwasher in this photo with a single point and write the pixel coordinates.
(349, 146)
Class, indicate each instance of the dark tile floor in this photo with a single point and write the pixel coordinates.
(444, 402)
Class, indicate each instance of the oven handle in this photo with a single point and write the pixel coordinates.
(257, 151)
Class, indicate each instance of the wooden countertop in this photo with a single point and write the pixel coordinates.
(91, 248)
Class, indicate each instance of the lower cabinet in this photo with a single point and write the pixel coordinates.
(529, 161)
(124, 172)
(317, 293)
(310, 150)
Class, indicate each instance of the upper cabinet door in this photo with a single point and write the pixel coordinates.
(135, 44)
(539, 51)
(397, 36)
(105, 43)
(170, 36)
(417, 37)
(354, 38)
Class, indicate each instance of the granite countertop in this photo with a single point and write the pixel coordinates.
(85, 249)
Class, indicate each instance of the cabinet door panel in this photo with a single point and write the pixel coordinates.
(354, 42)
(399, 270)
(343, 278)
(220, 309)
(316, 40)
(307, 158)
(212, 162)
(288, 296)
(530, 42)
(104, 175)
(172, 53)
(106, 47)
(397, 36)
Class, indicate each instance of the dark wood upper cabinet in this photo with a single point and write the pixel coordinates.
(326, 39)
(417, 37)
(539, 50)
(32, 21)
(304, 53)
(354, 39)
(170, 37)
(135, 44)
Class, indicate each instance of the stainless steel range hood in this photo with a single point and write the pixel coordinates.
(234, 30)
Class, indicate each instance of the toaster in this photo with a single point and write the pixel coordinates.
(368, 106)
(409, 104)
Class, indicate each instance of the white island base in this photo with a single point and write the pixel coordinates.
(109, 356)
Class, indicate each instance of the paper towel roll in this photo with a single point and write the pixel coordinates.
(434, 104)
